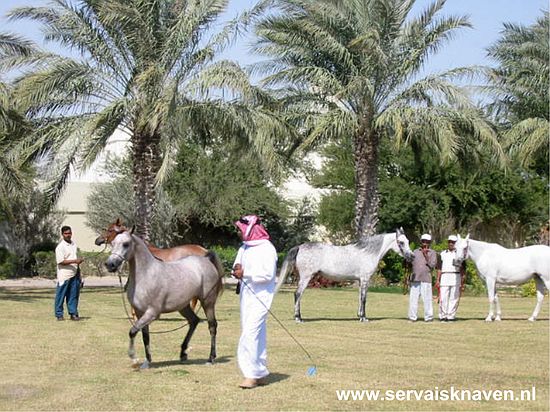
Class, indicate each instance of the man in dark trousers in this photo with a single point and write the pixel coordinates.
(68, 275)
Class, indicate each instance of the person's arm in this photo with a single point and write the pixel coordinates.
(431, 261)
(438, 264)
(237, 271)
(237, 266)
(61, 260)
(77, 261)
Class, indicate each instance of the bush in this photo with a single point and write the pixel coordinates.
(529, 288)
(44, 264)
(8, 264)
(227, 255)
(94, 264)
(474, 285)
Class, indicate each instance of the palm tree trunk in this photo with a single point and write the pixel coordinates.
(145, 151)
(366, 151)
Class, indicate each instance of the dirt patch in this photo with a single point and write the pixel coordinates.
(37, 282)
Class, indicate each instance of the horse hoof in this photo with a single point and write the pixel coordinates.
(299, 320)
(209, 362)
(135, 364)
(532, 319)
(488, 319)
(183, 358)
(363, 320)
(498, 319)
(145, 364)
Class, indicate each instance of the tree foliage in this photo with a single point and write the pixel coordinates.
(507, 207)
(208, 190)
(520, 83)
(353, 69)
(140, 66)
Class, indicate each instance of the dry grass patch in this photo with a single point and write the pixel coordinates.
(50, 365)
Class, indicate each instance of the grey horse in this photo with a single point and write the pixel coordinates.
(156, 287)
(357, 261)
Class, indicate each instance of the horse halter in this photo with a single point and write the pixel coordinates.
(399, 245)
(465, 254)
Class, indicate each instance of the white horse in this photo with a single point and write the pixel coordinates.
(357, 261)
(497, 265)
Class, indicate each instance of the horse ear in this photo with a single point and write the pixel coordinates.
(118, 222)
(467, 236)
(458, 236)
(132, 230)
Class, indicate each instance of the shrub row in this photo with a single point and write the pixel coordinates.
(391, 269)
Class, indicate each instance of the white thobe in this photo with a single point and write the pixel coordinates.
(449, 285)
(259, 263)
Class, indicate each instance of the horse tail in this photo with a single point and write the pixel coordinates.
(288, 266)
(216, 261)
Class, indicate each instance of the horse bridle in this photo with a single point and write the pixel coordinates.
(465, 254)
(399, 244)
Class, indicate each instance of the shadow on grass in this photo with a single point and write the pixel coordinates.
(26, 295)
(176, 362)
(352, 319)
(276, 377)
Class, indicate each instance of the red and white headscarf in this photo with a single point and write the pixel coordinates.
(252, 229)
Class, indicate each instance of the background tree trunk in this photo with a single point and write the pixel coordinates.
(366, 151)
(145, 151)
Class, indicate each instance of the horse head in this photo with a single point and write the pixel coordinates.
(402, 242)
(122, 249)
(461, 247)
(110, 233)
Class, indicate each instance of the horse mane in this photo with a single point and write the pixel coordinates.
(136, 237)
(371, 244)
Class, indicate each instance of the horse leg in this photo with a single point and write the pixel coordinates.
(540, 297)
(145, 337)
(491, 295)
(363, 285)
(193, 320)
(212, 327)
(143, 321)
(302, 285)
(497, 304)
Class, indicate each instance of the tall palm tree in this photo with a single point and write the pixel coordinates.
(13, 128)
(521, 82)
(132, 65)
(355, 68)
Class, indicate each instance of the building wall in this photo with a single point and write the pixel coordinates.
(74, 203)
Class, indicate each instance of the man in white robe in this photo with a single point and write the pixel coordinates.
(255, 267)
(450, 282)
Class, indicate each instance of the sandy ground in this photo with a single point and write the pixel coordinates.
(89, 281)
(37, 282)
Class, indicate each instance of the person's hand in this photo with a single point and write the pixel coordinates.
(238, 271)
(78, 261)
(437, 285)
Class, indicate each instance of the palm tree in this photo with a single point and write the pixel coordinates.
(521, 82)
(354, 67)
(13, 128)
(133, 65)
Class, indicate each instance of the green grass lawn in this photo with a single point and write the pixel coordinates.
(50, 365)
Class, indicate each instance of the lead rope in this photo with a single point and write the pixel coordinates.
(312, 370)
(130, 317)
(130, 320)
